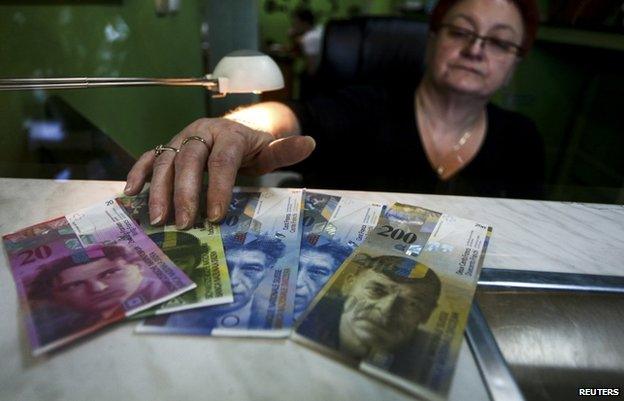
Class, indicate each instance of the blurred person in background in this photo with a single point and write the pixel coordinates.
(307, 37)
(307, 40)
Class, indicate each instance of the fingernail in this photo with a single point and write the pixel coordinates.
(215, 213)
(158, 218)
(128, 188)
(182, 221)
(311, 141)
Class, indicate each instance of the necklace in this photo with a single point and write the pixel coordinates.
(447, 165)
(460, 143)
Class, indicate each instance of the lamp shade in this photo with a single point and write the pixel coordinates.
(248, 71)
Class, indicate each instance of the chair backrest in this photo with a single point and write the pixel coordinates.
(372, 50)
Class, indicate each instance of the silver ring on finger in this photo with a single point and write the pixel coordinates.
(195, 138)
(160, 149)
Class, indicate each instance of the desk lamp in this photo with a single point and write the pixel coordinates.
(242, 71)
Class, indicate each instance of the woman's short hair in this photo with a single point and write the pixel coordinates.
(528, 10)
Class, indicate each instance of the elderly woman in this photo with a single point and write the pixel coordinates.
(441, 136)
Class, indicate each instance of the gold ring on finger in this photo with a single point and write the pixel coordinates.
(195, 138)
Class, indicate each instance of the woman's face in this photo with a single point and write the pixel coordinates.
(476, 67)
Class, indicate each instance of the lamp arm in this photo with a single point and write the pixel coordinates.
(7, 84)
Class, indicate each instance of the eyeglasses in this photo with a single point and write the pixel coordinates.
(494, 46)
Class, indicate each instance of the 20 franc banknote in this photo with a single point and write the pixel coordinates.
(78, 273)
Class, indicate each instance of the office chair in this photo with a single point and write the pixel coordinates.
(371, 50)
(377, 51)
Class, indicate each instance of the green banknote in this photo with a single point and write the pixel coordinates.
(398, 306)
(198, 251)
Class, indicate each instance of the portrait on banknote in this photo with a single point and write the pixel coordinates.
(198, 251)
(317, 263)
(250, 259)
(73, 293)
(333, 226)
(249, 262)
(182, 247)
(397, 307)
(261, 235)
(80, 272)
(186, 251)
(374, 310)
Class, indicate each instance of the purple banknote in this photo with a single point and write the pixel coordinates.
(78, 273)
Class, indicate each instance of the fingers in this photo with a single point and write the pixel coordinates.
(161, 188)
(189, 171)
(223, 163)
(281, 153)
(223, 152)
(139, 173)
(164, 173)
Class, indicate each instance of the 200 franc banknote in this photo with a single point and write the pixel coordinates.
(78, 273)
(397, 307)
(333, 226)
(261, 237)
(198, 251)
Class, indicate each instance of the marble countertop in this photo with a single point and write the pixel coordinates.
(117, 364)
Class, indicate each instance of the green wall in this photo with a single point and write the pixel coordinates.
(108, 39)
(227, 33)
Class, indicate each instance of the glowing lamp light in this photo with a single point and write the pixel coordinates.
(248, 71)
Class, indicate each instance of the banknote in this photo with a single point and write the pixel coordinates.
(333, 227)
(80, 272)
(397, 307)
(198, 251)
(261, 236)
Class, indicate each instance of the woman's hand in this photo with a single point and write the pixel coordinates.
(227, 148)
